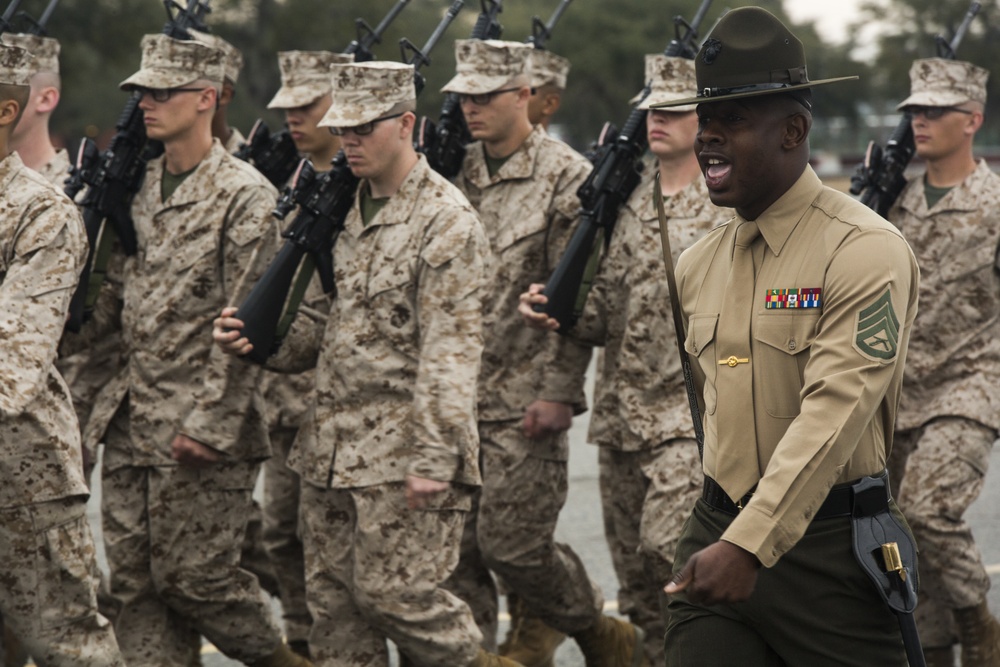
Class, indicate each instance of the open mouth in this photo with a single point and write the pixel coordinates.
(717, 172)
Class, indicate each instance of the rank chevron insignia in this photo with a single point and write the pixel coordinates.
(878, 329)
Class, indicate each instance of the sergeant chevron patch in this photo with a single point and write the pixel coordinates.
(877, 330)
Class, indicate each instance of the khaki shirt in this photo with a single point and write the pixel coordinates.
(195, 252)
(529, 209)
(56, 170)
(640, 399)
(824, 404)
(396, 373)
(953, 366)
(42, 250)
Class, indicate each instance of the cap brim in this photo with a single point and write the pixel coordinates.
(474, 84)
(293, 97)
(156, 79)
(932, 99)
(699, 99)
(352, 115)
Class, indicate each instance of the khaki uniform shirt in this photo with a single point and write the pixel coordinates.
(824, 400)
(42, 250)
(953, 366)
(396, 373)
(195, 250)
(529, 209)
(56, 170)
(640, 399)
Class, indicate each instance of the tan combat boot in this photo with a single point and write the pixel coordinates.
(612, 643)
(484, 659)
(529, 641)
(282, 657)
(979, 632)
(939, 656)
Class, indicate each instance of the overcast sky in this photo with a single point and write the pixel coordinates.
(832, 15)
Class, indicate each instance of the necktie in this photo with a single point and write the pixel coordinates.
(736, 468)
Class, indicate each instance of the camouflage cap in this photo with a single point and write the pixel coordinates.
(16, 66)
(362, 92)
(482, 66)
(548, 68)
(305, 76)
(936, 82)
(234, 57)
(669, 79)
(44, 49)
(169, 63)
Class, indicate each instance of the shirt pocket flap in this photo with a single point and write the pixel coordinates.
(388, 277)
(967, 262)
(791, 334)
(701, 333)
(520, 226)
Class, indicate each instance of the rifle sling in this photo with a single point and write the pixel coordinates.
(99, 268)
(305, 274)
(675, 306)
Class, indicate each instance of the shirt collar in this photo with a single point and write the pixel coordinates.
(780, 219)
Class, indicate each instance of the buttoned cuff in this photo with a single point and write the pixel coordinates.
(760, 534)
(433, 463)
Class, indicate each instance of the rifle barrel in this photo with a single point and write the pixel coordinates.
(422, 57)
(47, 14)
(964, 27)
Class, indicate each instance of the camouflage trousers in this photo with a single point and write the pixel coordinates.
(645, 498)
(173, 537)
(281, 534)
(374, 570)
(48, 589)
(524, 488)
(939, 471)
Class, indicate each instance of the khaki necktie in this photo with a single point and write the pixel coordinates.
(736, 468)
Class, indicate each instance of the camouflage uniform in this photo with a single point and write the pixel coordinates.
(528, 207)
(650, 471)
(56, 170)
(949, 411)
(173, 532)
(48, 594)
(395, 396)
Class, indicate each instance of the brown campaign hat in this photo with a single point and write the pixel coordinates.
(749, 53)
(44, 49)
(170, 63)
(305, 77)
(937, 82)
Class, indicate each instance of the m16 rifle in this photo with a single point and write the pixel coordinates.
(274, 154)
(8, 16)
(37, 27)
(113, 177)
(617, 172)
(323, 202)
(444, 143)
(881, 177)
(541, 33)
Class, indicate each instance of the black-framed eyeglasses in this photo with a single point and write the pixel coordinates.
(934, 113)
(482, 99)
(364, 129)
(163, 94)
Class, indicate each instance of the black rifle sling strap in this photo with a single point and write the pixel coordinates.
(305, 275)
(675, 306)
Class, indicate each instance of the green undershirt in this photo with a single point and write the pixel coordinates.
(370, 206)
(493, 164)
(934, 194)
(170, 182)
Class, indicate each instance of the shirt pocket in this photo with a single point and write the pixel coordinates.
(700, 343)
(520, 225)
(392, 303)
(968, 263)
(782, 343)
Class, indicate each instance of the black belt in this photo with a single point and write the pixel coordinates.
(839, 502)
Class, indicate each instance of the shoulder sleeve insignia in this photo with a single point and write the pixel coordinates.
(877, 329)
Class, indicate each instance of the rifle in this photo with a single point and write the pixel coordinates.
(324, 200)
(444, 143)
(880, 178)
(542, 32)
(275, 155)
(8, 14)
(617, 172)
(114, 176)
(38, 27)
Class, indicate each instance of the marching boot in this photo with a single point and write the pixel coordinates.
(979, 632)
(612, 643)
(282, 657)
(529, 641)
(939, 656)
(484, 659)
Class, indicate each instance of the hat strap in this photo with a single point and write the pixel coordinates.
(738, 90)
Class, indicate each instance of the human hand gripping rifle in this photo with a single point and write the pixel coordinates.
(323, 202)
(880, 178)
(443, 144)
(617, 171)
(275, 155)
(113, 177)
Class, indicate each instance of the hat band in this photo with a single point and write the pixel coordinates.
(737, 90)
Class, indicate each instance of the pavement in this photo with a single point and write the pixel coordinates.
(580, 525)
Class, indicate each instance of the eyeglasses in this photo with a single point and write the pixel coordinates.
(163, 94)
(933, 113)
(482, 99)
(364, 129)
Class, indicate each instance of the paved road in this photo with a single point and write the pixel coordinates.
(581, 526)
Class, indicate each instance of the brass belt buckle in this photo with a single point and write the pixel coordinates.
(732, 362)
